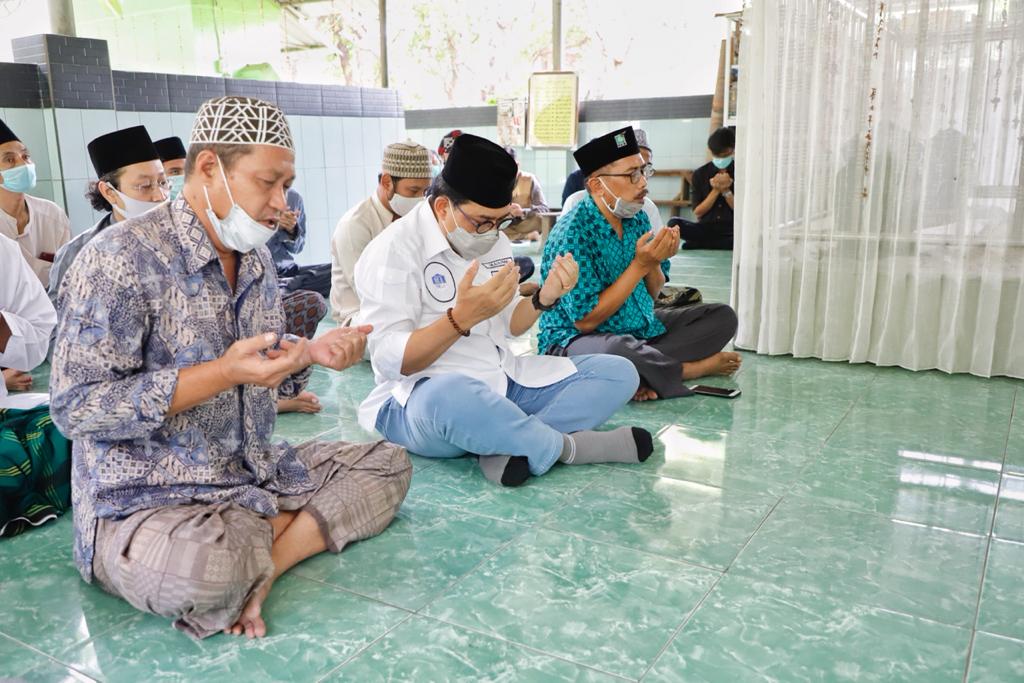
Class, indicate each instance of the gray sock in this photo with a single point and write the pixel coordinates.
(625, 444)
(506, 470)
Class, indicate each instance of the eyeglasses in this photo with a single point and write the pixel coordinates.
(486, 226)
(645, 171)
(148, 188)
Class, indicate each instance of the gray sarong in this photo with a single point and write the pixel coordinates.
(198, 564)
(691, 333)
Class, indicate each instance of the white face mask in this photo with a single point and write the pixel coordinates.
(237, 230)
(132, 207)
(470, 245)
(622, 209)
(402, 205)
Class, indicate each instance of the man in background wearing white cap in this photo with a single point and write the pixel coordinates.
(168, 357)
(404, 176)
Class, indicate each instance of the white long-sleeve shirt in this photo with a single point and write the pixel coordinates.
(47, 231)
(27, 311)
(407, 278)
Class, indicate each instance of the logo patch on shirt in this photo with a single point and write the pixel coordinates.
(439, 282)
(495, 265)
(620, 140)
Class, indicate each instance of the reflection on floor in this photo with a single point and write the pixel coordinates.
(836, 522)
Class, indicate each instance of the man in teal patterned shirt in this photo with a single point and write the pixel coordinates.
(611, 310)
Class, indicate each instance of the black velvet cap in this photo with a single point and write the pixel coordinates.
(604, 150)
(121, 148)
(170, 148)
(6, 134)
(481, 170)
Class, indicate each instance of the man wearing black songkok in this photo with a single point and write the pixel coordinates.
(439, 288)
(619, 256)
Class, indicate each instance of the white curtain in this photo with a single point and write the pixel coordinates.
(880, 211)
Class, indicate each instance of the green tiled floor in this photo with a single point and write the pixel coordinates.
(835, 523)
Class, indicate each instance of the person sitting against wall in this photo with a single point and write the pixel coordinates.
(38, 226)
(35, 458)
(712, 197)
(289, 241)
(620, 261)
(405, 174)
(170, 350)
(439, 288)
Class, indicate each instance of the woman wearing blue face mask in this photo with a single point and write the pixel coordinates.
(131, 182)
(37, 225)
(712, 197)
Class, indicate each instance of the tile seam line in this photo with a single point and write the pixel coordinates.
(969, 655)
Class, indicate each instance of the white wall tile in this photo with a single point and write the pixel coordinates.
(127, 119)
(334, 142)
(97, 122)
(159, 124)
(352, 132)
(337, 194)
(312, 149)
(181, 125)
(71, 139)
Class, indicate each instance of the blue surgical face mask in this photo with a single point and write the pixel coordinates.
(177, 182)
(20, 178)
(722, 163)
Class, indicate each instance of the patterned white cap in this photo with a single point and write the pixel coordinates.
(406, 160)
(241, 121)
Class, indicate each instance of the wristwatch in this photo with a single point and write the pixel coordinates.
(727, 194)
(535, 300)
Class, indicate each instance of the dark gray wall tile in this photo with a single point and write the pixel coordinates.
(341, 100)
(300, 98)
(140, 91)
(187, 93)
(21, 86)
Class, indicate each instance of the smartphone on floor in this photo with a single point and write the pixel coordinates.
(721, 392)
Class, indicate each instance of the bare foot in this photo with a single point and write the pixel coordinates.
(250, 623)
(645, 394)
(722, 363)
(306, 402)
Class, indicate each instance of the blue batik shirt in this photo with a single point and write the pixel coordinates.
(136, 307)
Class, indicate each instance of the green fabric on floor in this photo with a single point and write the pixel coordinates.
(35, 470)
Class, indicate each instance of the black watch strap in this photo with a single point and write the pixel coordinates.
(535, 300)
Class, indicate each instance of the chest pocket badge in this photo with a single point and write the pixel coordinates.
(439, 281)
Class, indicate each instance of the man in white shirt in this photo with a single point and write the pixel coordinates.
(404, 177)
(37, 225)
(35, 458)
(26, 315)
(439, 288)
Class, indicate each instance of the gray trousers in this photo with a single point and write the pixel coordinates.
(691, 333)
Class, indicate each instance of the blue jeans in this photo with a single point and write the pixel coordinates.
(452, 414)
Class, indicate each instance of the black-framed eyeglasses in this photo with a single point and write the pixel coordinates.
(482, 227)
(645, 171)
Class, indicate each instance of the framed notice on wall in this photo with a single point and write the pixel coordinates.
(512, 122)
(554, 109)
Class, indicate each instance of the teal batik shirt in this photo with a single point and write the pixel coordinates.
(602, 258)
